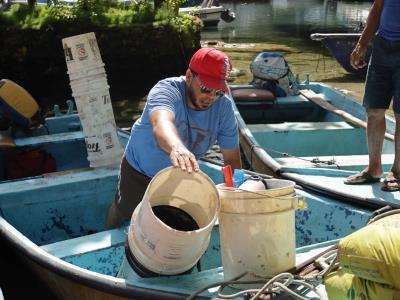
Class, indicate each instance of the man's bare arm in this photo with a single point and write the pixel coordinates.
(357, 58)
(168, 139)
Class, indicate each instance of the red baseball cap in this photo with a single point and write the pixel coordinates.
(212, 67)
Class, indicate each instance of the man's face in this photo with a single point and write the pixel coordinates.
(200, 98)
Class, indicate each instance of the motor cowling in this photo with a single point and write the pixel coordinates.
(228, 16)
(17, 105)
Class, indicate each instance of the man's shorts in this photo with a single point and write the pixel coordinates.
(383, 76)
(132, 186)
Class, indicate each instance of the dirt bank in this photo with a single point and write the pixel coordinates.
(303, 61)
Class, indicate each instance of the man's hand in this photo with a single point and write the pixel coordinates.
(184, 159)
(357, 57)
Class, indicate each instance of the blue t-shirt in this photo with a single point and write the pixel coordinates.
(389, 27)
(199, 130)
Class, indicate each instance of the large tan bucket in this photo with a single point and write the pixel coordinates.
(257, 230)
(155, 245)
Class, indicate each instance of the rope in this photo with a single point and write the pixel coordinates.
(330, 162)
(275, 285)
(251, 155)
(279, 283)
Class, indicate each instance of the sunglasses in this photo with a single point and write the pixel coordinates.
(205, 90)
(208, 91)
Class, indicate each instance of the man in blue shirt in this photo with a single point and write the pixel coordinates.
(183, 117)
(382, 84)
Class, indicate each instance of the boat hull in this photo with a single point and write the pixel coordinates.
(340, 47)
(209, 15)
(55, 223)
(297, 139)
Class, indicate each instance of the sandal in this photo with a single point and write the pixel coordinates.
(391, 184)
(361, 178)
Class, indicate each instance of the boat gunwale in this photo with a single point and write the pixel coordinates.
(275, 168)
(81, 276)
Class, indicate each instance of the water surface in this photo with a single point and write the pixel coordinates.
(282, 19)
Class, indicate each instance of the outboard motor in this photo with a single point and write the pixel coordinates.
(228, 16)
(18, 107)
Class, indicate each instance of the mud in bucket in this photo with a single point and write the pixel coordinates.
(158, 244)
(257, 230)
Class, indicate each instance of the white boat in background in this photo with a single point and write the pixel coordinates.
(210, 12)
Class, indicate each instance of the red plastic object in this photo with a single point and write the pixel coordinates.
(227, 171)
(29, 163)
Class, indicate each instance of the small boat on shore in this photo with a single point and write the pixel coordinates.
(210, 12)
(55, 224)
(340, 46)
(316, 138)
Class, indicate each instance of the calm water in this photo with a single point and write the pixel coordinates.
(275, 20)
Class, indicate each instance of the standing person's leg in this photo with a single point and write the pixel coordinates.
(130, 190)
(376, 128)
(396, 163)
(392, 180)
(377, 97)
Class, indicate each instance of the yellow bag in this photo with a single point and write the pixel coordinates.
(373, 252)
(345, 286)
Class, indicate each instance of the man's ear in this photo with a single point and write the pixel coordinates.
(189, 75)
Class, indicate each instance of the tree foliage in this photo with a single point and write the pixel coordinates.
(98, 13)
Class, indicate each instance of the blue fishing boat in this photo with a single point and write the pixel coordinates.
(316, 138)
(55, 223)
(340, 46)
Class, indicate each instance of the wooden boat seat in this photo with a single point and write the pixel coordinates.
(296, 126)
(50, 139)
(88, 243)
(252, 94)
(6, 141)
(344, 161)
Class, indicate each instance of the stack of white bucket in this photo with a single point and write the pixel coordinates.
(89, 86)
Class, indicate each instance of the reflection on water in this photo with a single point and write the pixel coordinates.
(266, 21)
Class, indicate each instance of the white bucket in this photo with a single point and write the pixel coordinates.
(88, 72)
(81, 52)
(103, 146)
(88, 84)
(257, 230)
(156, 246)
(90, 89)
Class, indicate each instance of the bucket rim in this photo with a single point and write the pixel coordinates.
(217, 206)
(260, 193)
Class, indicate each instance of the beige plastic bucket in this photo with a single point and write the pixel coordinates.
(93, 101)
(81, 52)
(89, 71)
(160, 248)
(257, 230)
(103, 146)
(94, 106)
(88, 84)
(99, 128)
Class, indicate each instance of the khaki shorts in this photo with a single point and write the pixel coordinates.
(131, 187)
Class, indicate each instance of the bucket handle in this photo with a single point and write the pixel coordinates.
(301, 203)
(267, 196)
